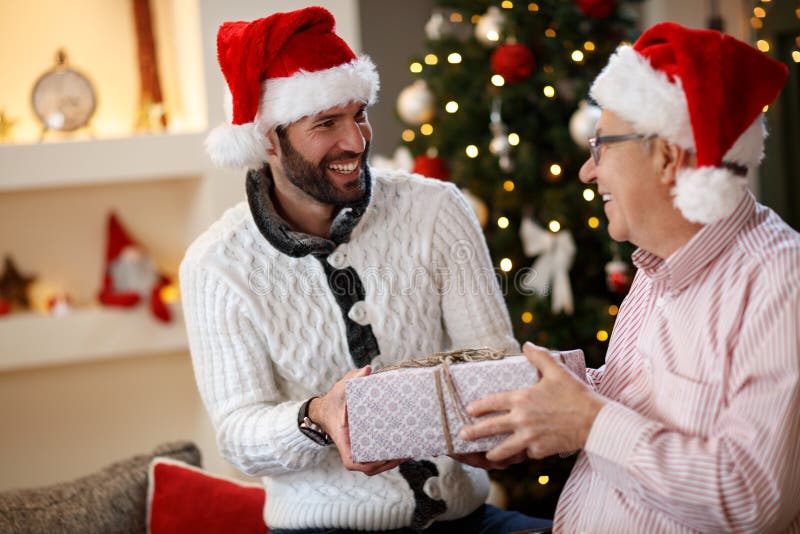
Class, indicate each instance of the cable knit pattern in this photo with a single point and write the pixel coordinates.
(266, 333)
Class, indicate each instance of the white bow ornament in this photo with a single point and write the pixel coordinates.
(556, 250)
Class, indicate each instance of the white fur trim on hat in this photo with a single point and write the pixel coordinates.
(286, 100)
(631, 88)
(707, 194)
(748, 150)
(237, 146)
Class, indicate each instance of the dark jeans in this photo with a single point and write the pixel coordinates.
(485, 520)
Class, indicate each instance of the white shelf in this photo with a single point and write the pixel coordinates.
(34, 340)
(102, 161)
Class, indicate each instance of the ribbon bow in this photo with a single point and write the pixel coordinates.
(556, 250)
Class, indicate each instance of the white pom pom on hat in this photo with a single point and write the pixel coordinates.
(704, 91)
(280, 69)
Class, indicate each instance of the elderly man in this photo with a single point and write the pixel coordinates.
(329, 269)
(693, 423)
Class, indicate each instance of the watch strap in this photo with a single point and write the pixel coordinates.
(309, 428)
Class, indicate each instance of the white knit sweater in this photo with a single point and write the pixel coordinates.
(266, 334)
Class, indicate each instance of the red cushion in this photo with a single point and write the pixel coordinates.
(183, 498)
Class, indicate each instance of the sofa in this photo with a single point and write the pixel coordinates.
(165, 490)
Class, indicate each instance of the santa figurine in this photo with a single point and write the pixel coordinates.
(130, 275)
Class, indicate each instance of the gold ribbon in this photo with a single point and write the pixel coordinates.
(444, 375)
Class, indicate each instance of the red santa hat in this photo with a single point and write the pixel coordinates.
(118, 241)
(280, 69)
(704, 91)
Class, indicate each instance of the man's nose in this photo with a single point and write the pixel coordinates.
(353, 137)
(588, 172)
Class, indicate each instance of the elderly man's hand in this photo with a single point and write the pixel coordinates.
(554, 415)
(330, 412)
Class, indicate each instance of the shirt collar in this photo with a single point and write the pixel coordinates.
(683, 265)
(292, 242)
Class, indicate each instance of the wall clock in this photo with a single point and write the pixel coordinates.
(63, 98)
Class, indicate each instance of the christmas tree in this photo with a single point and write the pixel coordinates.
(499, 108)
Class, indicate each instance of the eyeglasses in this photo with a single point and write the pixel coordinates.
(596, 142)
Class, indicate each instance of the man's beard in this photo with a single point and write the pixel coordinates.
(313, 179)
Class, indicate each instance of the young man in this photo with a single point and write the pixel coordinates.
(693, 423)
(329, 269)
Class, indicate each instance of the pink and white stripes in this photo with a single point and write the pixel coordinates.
(704, 370)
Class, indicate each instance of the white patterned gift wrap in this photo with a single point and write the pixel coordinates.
(396, 414)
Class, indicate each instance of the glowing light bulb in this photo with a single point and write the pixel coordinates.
(550, 32)
(533, 6)
(759, 12)
(502, 223)
(456, 17)
(602, 335)
(527, 317)
(431, 59)
(451, 107)
(544, 479)
(588, 46)
(577, 56)
(492, 35)
(613, 310)
(555, 169)
(508, 185)
(472, 151)
(507, 4)
(426, 129)
(796, 56)
(554, 226)
(593, 223)
(415, 67)
(454, 58)
(498, 80)
(505, 265)
(513, 139)
(588, 195)
(762, 45)
(408, 135)
(549, 91)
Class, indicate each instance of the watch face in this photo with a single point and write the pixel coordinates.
(63, 99)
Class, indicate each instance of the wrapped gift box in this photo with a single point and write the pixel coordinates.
(399, 413)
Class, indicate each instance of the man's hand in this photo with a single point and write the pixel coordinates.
(330, 412)
(554, 415)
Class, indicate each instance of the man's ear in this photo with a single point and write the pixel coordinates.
(274, 150)
(670, 158)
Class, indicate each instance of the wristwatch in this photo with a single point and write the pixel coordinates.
(311, 429)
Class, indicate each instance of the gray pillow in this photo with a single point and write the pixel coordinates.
(113, 499)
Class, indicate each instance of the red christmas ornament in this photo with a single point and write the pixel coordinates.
(432, 167)
(618, 276)
(596, 9)
(514, 62)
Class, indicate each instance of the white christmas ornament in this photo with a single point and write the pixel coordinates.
(551, 270)
(437, 27)
(499, 145)
(416, 104)
(490, 26)
(583, 122)
(478, 206)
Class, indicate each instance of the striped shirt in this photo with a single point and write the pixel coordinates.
(702, 431)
